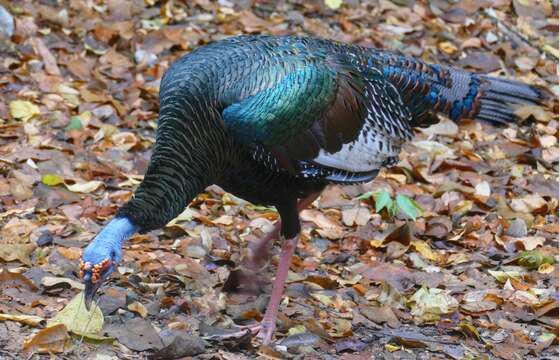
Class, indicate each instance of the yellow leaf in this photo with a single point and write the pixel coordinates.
(51, 179)
(326, 300)
(546, 268)
(333, 4)
(448, 47)
(470, 330)
(138, 308)
(391, 348)
(503, 276)
(24, 110)
(551, 50)
(299, 329)
(77, 319)
(86, 187)
(31, 320)
(423, 248)
(376, 243)
(427, 304)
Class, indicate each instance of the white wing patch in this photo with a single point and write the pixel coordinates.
(368, 152)
(379, 142)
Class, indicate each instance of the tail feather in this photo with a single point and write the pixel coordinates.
(428, 89)
(498, 99)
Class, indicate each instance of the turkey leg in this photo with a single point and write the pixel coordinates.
(268, 323)
(261, 252)
(247, 278)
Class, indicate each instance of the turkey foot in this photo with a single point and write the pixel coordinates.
(268, 324)
(261, 252)
(247, 278)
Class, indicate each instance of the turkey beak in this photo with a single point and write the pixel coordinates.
(89, 293)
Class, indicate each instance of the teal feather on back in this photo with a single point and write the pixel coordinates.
(274, 115)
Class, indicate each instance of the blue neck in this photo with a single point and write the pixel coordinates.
(116, 232)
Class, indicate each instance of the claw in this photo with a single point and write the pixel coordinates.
(266, 332)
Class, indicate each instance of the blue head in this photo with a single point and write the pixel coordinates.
(101, 257)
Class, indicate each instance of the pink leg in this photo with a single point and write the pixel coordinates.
(268, 324)
(261, 252)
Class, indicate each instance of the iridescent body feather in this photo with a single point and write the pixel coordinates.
(275, 119)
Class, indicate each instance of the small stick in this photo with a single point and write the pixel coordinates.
(516, 35)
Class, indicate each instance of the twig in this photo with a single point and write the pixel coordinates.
(517, 36)
(7, 353)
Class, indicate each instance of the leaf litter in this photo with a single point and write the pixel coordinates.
(451, 253)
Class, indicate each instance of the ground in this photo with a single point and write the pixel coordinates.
(473, 277)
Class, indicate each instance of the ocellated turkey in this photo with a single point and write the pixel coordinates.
(274, 120)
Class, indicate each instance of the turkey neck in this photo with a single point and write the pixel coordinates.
(188, 155)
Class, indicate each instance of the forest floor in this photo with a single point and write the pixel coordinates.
(473, 277)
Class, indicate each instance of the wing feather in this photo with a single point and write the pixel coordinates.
(316, 109)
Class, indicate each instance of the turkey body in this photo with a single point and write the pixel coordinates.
(273, 119)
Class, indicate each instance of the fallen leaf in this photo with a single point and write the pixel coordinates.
(299, 329)
(49, 340)
(333, 4)
(534, 259)
(528, 203)
(14, 279)
(483, 189)
(328, 228)
(20, 252)
(77, 319)
(546, 268)
(356, 216)
(71, 253)
(49, 281)
(425, 250)
(31, 320)
(24, 110)
(136, 334)
(503, 276)
(85, 187)
(428, 304)
(380, 315)
(138, 308)
(52, 180)
(529, 242)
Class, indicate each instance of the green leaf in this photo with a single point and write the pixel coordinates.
(408, 206)
(51, 180)
(365, 196)
(534, 259)
(75, 124)
(382, 200)
(393, 208)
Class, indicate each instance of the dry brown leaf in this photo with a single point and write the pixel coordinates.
(49, 340)
(528, 203)
(19, 252)
(356, 216)
(30, 320)
(138, 308)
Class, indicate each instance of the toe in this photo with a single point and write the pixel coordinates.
(266, 332)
